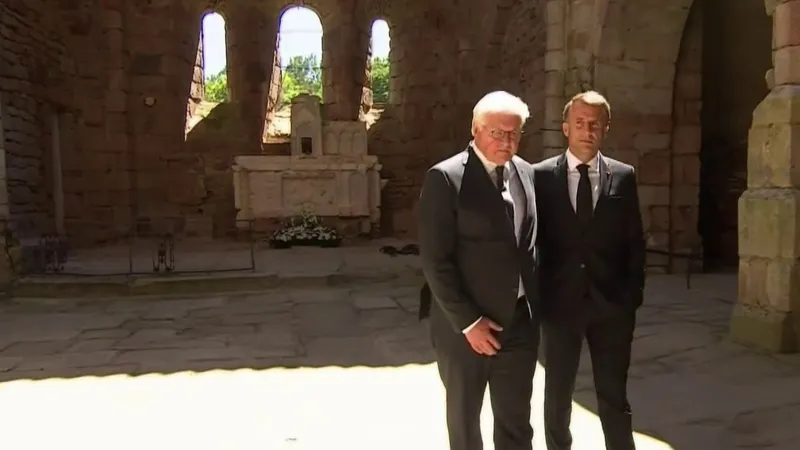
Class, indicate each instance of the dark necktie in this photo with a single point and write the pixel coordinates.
(583, 201)
(501, 187)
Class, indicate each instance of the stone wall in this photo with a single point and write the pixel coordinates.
(678, 218)
(442, 62)
(768, 310)
(97, 169)
(275, 94)
(3, 181)
(33, 70)
(522, 55)
(197, 87)
(419, 124)
(136, 64)
(636, 70)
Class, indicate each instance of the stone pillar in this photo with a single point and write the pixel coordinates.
(345, 45)
(250, 34)
(554, 67)
(767, 314)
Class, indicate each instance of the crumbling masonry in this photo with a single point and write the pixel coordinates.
(94, 94)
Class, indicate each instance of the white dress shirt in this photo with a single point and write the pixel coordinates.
(574, 177)
(512, 193)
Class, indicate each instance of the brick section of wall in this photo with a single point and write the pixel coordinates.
(685, 149)
(31, 62)
(274, 96)
(3, 182)
(197, 87)
(345, 45)
(553, 141)
(522, 68)
(442, 62)
(420, 124)
(635, 68)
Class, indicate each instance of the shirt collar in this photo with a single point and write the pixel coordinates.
(490, 166)
(573, 162)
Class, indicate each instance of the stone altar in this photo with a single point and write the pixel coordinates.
(328, 173)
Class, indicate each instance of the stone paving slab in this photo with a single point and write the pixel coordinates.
(349, 367)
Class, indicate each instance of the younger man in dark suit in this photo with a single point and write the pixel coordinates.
(592, 272)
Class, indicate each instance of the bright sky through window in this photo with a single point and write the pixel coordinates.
(301, 34)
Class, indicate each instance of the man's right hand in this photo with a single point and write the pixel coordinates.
(481, 337)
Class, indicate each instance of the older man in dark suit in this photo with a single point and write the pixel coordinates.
(477, 236)
(592, 272)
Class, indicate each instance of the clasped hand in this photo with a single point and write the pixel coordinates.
(482, 339)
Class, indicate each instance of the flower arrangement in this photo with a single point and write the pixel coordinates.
(306, 229)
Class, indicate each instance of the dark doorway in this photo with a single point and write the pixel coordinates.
(737, 53)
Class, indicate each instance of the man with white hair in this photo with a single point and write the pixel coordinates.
(477, 239)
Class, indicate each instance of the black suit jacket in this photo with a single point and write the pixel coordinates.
(607, 259)
(470, 255)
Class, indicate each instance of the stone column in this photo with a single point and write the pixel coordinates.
(767, 314)
(345, 46)
(250, 34)
(554, 67)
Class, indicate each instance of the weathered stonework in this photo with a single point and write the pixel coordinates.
(32, 72)
(768, 312)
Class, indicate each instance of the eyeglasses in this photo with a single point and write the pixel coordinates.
(502, 135)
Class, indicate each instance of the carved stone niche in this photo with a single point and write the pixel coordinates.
(306, 126)
(345, 138)
(285, 186)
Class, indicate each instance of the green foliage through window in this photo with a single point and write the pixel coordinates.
(217, 87)
(380, 77)
(303, 75)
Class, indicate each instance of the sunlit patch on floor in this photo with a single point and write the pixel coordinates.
(276, 409)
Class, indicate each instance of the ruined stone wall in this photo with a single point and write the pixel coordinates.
(3, 181)
(96, 168)
(275, 93)
(442, 61)
(345, 45)
(633, 63)
(197, 87)
(521, 70)
(679, 218)
(418, 126)
(32, 71)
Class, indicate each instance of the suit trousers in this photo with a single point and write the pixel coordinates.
(609, 338)
(509, 375)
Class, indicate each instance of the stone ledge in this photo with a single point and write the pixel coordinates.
(94, 287)
(773, 331)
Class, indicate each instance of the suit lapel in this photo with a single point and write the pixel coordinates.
(605, 180)
(560, 174)
(527, 187)
(486, 192)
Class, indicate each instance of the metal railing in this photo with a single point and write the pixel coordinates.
(692, 256)
(130, 251)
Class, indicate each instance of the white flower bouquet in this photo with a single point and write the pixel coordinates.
(306, 229)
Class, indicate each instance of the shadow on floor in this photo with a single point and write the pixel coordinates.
(689, 386)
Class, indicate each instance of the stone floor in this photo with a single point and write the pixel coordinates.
(349, 367)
